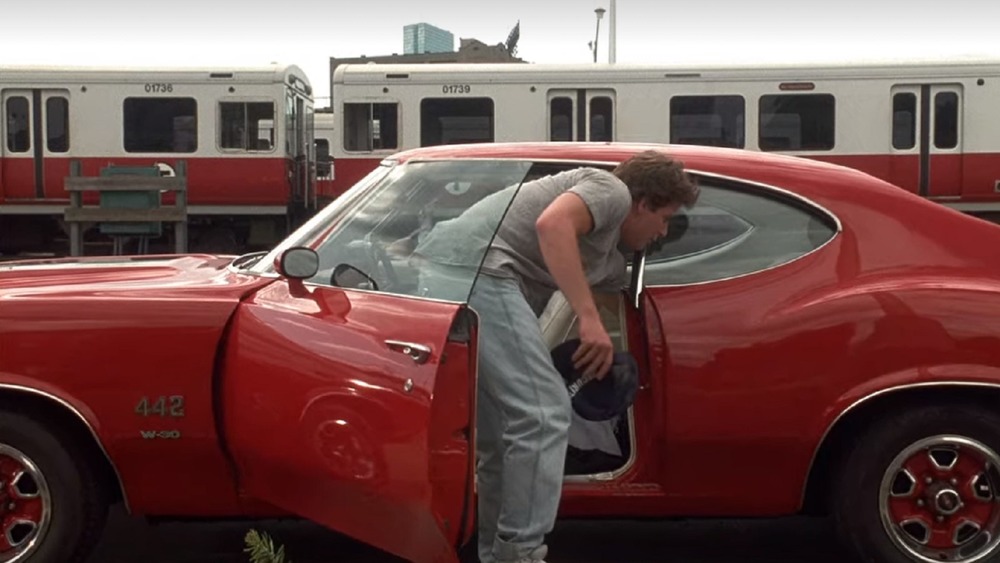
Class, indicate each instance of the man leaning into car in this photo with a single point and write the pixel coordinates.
(568, 232)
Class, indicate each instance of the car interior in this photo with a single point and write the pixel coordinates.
(596, 447)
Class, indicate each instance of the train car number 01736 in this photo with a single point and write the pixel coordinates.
(159, 88)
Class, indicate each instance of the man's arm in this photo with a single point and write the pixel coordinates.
(559, 227)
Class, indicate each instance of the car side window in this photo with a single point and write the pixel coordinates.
(733, 231)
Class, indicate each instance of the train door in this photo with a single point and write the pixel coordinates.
(35, 144)
(302, 167)
(927, 139)
(581, 115)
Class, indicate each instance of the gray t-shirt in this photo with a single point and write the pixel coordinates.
(516, 253)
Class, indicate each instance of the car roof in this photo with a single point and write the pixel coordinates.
(804, 176)
(896, 227)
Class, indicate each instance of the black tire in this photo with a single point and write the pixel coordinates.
(78, 506)
(856, 503)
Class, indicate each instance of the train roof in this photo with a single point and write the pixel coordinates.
(362, 73)
(263, 74)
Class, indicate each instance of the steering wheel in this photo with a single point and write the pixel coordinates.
(380, 259)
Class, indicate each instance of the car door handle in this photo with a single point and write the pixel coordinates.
(417, 352)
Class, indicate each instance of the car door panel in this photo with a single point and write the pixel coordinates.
(326, 420)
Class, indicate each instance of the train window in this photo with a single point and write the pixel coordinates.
(161, 125)
(904, 120)
(448, 121)
(247, 126)
(324, 164)
(716, 121)
(797, 122)
(57, 124)
(602, 112)
(18, 125)
(561, 119)
(371, 127)
(733, 232)
(946, 120)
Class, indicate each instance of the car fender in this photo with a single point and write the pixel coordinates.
(893, 391)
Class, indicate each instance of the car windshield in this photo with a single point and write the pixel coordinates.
(419, 229)
(321, 221)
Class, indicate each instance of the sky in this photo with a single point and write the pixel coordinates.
(200, 33)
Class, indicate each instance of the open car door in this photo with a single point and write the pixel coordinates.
(349, 399)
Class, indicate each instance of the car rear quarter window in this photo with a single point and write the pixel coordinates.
(736, 230)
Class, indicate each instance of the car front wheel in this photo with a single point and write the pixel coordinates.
(923, 486)
(51, 510)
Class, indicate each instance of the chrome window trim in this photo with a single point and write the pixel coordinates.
(786, 193)
(387, 293)
(737, 239)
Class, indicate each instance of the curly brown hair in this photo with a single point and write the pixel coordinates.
(658, 179)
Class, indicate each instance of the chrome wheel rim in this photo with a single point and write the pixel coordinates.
(939, 500)
(25, 505)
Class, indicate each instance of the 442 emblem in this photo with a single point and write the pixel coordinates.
(164, 406)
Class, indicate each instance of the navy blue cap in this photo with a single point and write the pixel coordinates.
(598, 399)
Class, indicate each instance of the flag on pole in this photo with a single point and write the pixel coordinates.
(515, 34)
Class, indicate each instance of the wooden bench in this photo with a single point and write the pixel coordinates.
(128, 186)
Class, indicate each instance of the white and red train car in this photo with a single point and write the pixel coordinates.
(931, 127)
(245, 136)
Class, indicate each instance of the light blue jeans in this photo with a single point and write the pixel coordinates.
(522, 425)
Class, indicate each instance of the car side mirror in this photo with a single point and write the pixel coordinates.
(346, 275)
(298, 263)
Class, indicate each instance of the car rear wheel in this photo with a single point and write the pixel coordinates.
(50, 507)
(923, 486)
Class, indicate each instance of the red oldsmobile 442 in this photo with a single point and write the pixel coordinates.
(810, 339)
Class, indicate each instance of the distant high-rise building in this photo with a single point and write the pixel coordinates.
(421, 38)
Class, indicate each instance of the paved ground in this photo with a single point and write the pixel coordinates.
(792, 540)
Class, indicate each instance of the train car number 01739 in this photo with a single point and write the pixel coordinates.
(456, 89)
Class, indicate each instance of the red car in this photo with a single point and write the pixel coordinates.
(811, 340)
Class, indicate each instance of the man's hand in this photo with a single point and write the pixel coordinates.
(596, 352)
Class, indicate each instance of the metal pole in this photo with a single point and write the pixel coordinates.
(597, 32)
(612, 32)
(597, 35)
(180, 201)
(75, 202)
